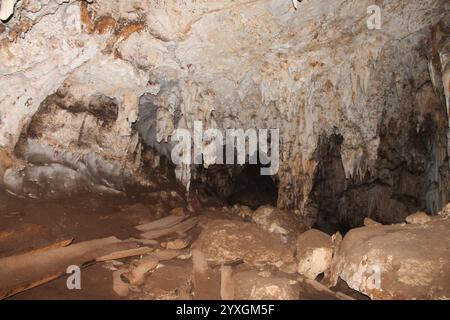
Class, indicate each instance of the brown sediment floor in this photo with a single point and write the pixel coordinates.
(28, 224)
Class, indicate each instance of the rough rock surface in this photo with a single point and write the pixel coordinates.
(445, 211)
(314, 253)
(418, 218)
(168, 283)
(279, 222)
(250, 285)
(370, 223)
(397, 261)
(316, 73)
(225, 241)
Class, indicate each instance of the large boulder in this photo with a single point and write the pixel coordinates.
(224, 241)
(314, 253)
(408, 261)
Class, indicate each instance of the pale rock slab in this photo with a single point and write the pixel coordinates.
(314, 253)
(397, 261)
(224, 241)
(6, 9)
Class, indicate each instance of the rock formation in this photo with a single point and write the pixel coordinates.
(397, 261)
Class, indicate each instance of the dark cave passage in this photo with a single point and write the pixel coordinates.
(237, 184)
(405, 180)
(329, 186)
(254, 190)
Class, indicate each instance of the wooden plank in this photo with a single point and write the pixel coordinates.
(60, 244)
(163, 223)
(13, 290)
(179, 228)
(28, 270)
(226, 283)
(165, 255)
(125, 254)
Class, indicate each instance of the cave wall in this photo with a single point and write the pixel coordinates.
(313, 72)
(411, 169)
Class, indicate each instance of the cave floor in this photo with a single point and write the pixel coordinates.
(29, 224)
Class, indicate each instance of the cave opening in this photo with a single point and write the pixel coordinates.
(237, 184)
(253, 189)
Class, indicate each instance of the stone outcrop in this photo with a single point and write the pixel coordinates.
(229, 241)
(409, 261)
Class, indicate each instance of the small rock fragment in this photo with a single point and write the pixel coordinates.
(177, 244)
(178, 212)
(265, 274)
(243, 212)
(146, 264)
(418, 218)
(280, 222)
(120, 287)
(445, 211)
(250, 286)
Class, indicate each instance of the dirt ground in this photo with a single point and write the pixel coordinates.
(28, 224)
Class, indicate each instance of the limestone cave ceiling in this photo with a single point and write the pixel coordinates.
(92, 90)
